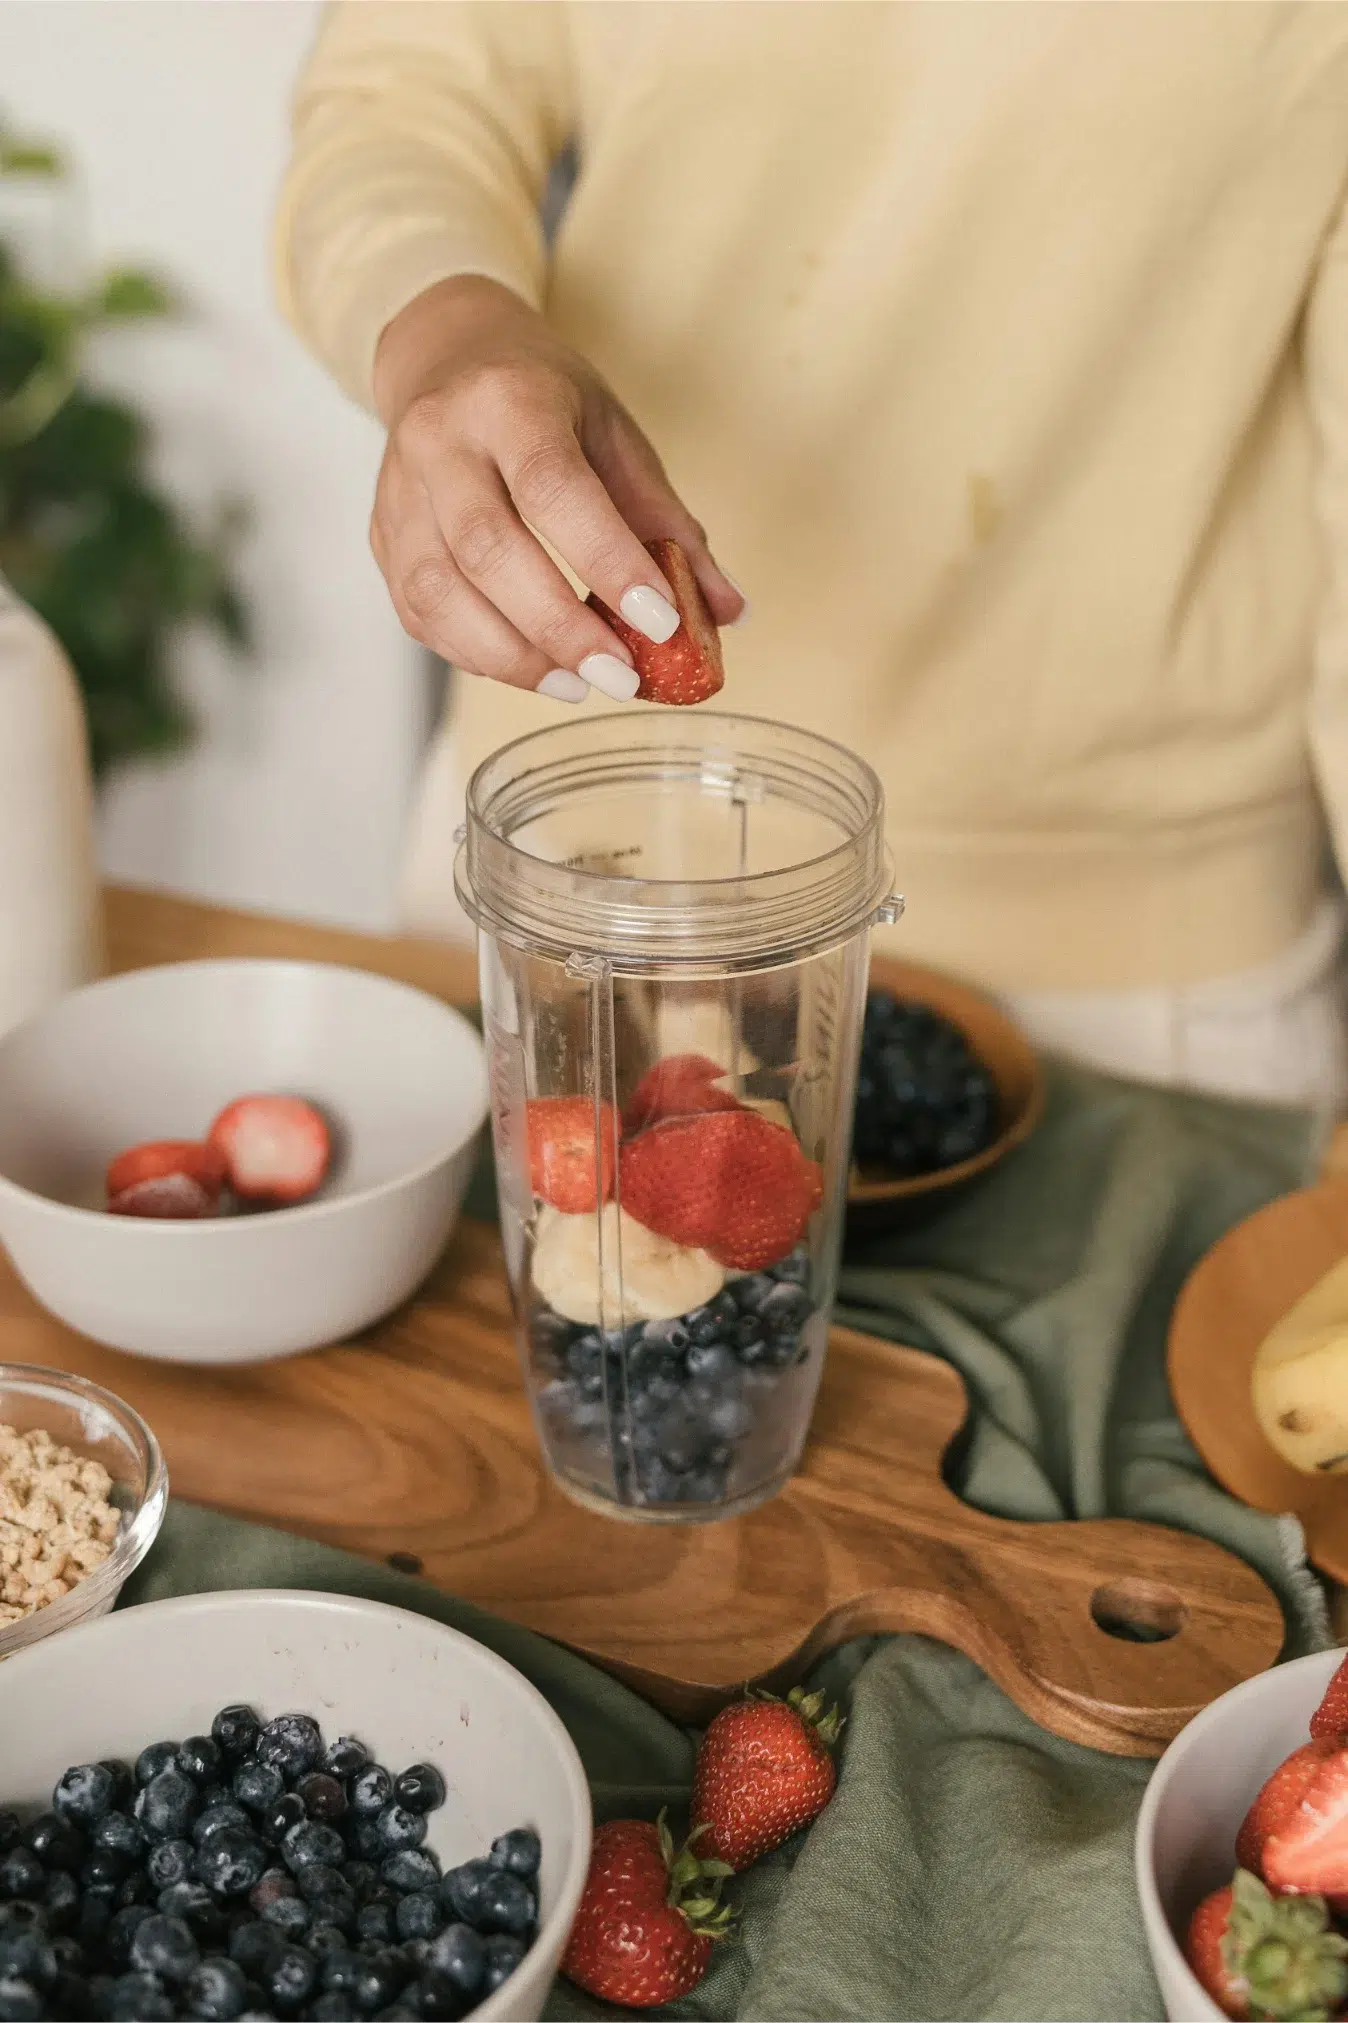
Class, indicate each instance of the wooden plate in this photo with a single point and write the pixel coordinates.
(1242, 1287)
(1003, 1050)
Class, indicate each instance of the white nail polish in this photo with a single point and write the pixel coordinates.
(739, 593)
(610, 676)
(650, 613)
(563, 686)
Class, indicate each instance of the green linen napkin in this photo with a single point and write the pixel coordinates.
(970, 1865)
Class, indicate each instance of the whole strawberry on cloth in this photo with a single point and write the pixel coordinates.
(764, 1770)
(648, 1916)
(1261, 1955)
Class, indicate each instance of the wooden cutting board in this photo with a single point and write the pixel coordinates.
(415, 1443)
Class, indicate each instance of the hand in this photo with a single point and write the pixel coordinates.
(496, 428)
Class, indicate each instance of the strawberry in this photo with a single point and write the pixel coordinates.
(647, 1917)
(172, 1197)
(678, 1086)
(562, 1139)
(1266, 1956)
(1330, 1719)
(729, 1182)
(763, 1771)
(1276, 1801)
(1306, 1848)
(276, 1148)
(687, 668)
(163, 1156)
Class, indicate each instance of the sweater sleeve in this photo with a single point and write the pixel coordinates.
(1326, 365)
(422, 139)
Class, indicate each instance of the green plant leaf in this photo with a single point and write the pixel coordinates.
(30, 158)
(128, 292)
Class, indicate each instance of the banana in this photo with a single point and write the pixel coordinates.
(660, 1279)
(1300, 1381)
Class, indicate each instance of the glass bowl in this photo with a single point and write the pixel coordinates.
(94, 1424)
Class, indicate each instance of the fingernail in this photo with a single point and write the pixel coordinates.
(608, 674)
(563, 686)
(739, 593)
(650, 613)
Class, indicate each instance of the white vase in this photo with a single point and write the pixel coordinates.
(51, 922)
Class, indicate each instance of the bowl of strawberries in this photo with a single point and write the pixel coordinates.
(1242, 1851)
(228, 1161)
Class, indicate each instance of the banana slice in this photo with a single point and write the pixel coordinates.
(1299, 1386)
(660, 1279)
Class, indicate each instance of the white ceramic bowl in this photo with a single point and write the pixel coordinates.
(157, 1054)
(410, 1689)
(1198, 1795)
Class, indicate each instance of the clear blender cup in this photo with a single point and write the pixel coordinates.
(673, 910)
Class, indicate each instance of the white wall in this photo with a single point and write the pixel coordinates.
(295, 798)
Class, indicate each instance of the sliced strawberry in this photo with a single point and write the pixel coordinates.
(1308, 1849)
(678, 1086)
(687, 668)
(276, 1148)
(729, 1182)
(562, 1155)
(1330, 1719)
(1277, 1800)
(170, 1197)
(160, 1157)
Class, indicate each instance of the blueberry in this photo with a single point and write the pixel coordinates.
(794, 1269)
(287, 1812)
(364, 1839)
(122, 1929)
(55, 1841)
(21, 1874)
(519, 1851)
(419, 1916)
(290, 1916)
(325, 1939)
(728, 1419)
(216, 1991)
(138, 1998)
(400, 1828)
(461, 1888)
(271, 1885)
(85, 1793)
(167, 1806)
(123, 1781)
(506, 1904)
(290, 1977)
(231, 1861)
(334, 2007)
(158, 1756)
(360, 1877)
(338, 1910)
(225, 1817)
(713, 1363)
(27, 1956)
(379, 1982)
(164, 1946)
(459, 1957)
(192, 1904)
(104, 1869)
(61, 1897)
(785, 1310)
(254, 1946)
(504, 1953)
(292, 1742)
(311, 1840)
(666, 1335)
(371, 1790)
(92, 1920)
(235, 1730)
(345, 1757)
(374, 1924)
(71, 1996)
(315, 1879)
(9, 1831)
(337, 1972)
(411, 1868)
(169, 1862)
(420, 1788)
(324, 1796)
(120, 1834)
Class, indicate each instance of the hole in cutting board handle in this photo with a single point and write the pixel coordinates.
(1138, 1611)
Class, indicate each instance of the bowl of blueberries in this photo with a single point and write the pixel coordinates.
(275, 1804)
(947, 1085)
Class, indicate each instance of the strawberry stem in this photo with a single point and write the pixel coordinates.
(695, 1884)
(1290, 1960)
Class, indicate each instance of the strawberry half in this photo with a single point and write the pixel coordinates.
(1307, 1850)
(1330, 1719)
(276, 1148)
(764, 1770)
(172, 1197)
(680, 1085)
(729, 1182)
(161, 1157)
(1276, 1801)
(1261, 1955)
(562, 1152)
(647, 1917)
(687, 668)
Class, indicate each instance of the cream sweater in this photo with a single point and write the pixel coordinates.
(1002, 349)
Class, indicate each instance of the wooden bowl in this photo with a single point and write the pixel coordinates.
(1244, 1285)
(873, 1197)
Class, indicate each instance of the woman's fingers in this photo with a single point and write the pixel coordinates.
(634, 478)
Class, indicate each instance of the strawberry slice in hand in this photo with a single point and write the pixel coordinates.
(729, 1182)
(647, 1918)
(563, 1137)
(687, 668)
(276, 1148)
(678, 1086)
(1258, 1955)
